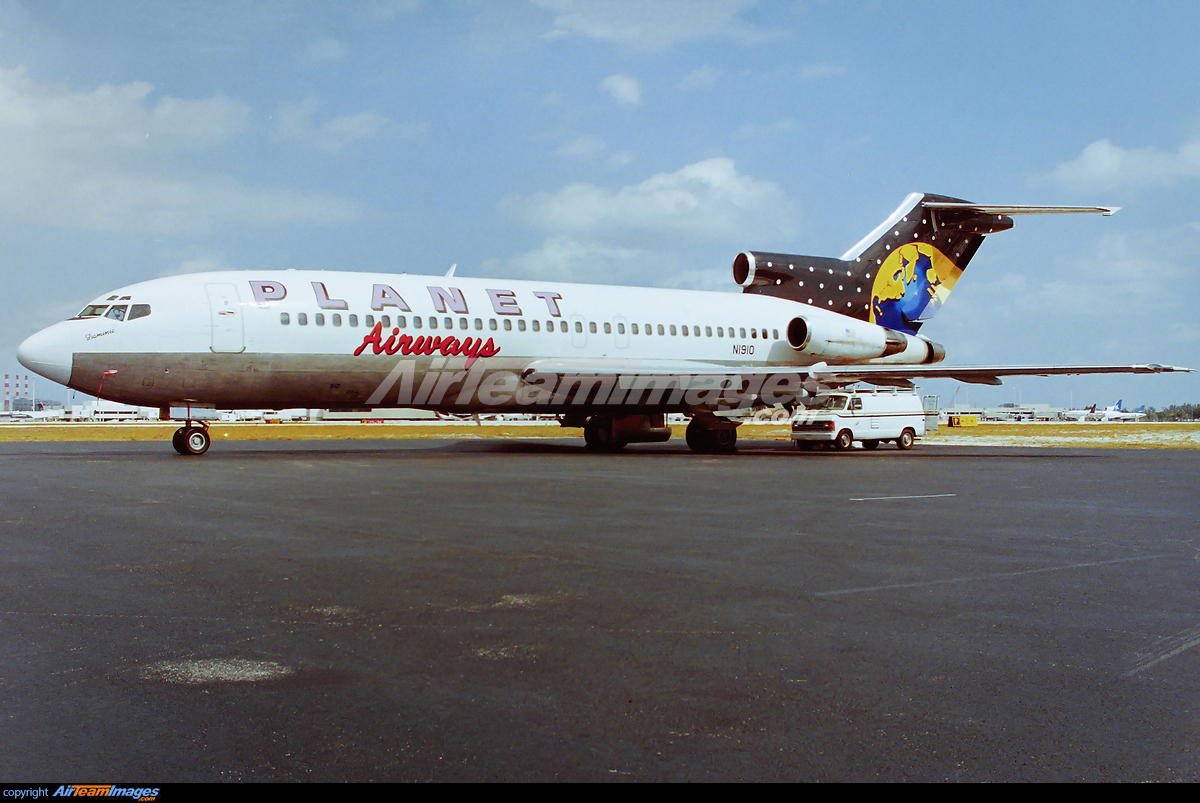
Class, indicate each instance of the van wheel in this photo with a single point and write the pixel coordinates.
(870, 445)
(905, 441)
(844, 440)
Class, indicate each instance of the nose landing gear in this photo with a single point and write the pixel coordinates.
(191, 439)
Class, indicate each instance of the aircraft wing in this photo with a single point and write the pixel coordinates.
(893, 375)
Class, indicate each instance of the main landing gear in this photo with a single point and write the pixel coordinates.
(191, 439)
(704, 437)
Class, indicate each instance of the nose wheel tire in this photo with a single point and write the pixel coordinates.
(191, 440)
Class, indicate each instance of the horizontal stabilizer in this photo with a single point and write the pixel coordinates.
(985, 209)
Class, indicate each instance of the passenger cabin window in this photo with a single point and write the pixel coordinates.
(302, 318)
(579, 327)
(354, 320)
(369, 320)
(537, 326)
(672, 330)
(117, 313)
(284, 318)
(633, 328)
(337, 319)
(138, 311)
(319, 319)
(520, 325)
(661, 331)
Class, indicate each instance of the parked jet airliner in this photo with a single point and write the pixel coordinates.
(614, 360)
(1115, 413)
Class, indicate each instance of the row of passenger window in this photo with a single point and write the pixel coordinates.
(432, 322)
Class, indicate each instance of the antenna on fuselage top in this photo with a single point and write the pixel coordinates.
(450, 272)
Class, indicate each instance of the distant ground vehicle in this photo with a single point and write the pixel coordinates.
(868, 416)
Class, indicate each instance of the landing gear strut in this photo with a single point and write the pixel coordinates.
(704, 439)
(191, 439)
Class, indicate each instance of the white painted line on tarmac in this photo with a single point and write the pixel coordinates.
(921, 583)
(881, 498)
(1191, 638)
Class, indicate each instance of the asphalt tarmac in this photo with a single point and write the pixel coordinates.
(517, 611)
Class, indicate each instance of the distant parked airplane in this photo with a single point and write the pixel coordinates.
(1115, 413)
(1089, 414)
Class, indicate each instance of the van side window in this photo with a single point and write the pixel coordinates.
(856, 403)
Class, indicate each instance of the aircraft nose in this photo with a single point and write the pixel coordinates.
(48, 353)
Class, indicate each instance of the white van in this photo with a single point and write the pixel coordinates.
(868, 416)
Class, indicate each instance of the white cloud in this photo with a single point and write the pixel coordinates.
(621, 158)
(706, 200)
(294, 123)
(566, 258)
(586, 147)
(111, 119)
(327, 50)
(673, 229)
(624, 89)
(104, 160)
(1103, 165)
(653, 26)
(702, 78)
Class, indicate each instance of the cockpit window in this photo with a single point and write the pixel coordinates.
(92, 311)
(138, 311)
(117, 313)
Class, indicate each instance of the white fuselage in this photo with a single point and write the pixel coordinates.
(251, 339)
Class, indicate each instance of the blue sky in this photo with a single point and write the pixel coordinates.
(620, 143)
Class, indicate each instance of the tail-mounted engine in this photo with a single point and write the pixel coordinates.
(835, 340)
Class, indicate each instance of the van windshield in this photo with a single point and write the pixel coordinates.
(827, 403)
